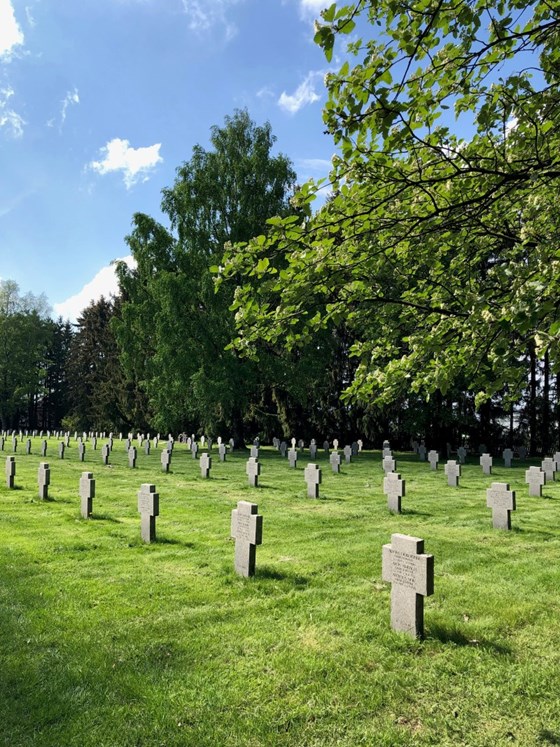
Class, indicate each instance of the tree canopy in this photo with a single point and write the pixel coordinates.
(439, 245)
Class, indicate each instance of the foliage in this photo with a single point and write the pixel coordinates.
(439, 248)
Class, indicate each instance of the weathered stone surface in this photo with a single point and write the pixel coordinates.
(389, 464)
(502, 502)
(10, 471)
(334, 459)
(535, 478)
(148, 508)
(61, 447)
(105, 451)
(312, 474)
(348, 454)
(165, 460)
(422, 453)
(548, 466)
(132, 456)
(461, 454)
(246, 529)
(43, 480)
(205, 465)
(222, 452)
(253, 470)
(433, 459)
(81, 451)
(87, 494)
(394, 489)
(411, 573)
(507, 456)
(486, 463)
(453, 472)
(292, 458)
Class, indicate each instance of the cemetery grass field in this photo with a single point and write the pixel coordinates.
(108, 642)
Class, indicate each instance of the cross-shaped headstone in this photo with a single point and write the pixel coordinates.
(453, 472)
(312, 475)
(28, 446)
(87, 494)
(334, 459)
(422, 453)
(461, 454)
(253, 470)
(165, 460)
(67, 440)
(283, 447)
(348, 454)
(486, 464)
(433, 459)
(147, 447)
(10, 471)
(313, 450)
(205, 465)
(222, 451)
(127, 445)
(548, 466)
(61, 447)
(44, 448)
(411, 573)
(105, 451)
(293, 442)
(326, 446)
(502, 502)
(536, 478)
(255, 451)
(43, 479)
(14, 444)
(246, 529)
(394, 489)
(387, 452)
(110, 443)
(507, 456)
(132, 456)
(194, 449)
(2, 439)
(522, 451)
(155, 442)
(360, 444)
(231, 444)
(386, 444)
(389, 464)
(94, 443)
(335, 444)
(81, 451)
(148, 507)
(292, 458)
(355, 448)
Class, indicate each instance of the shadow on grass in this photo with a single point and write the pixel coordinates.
(169, 541)
(268, 572)
(105, 517)
(456, 636)
(414, 512)
(549, 737)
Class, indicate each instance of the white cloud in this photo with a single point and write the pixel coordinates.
(135, 163)
(304, 94)
(205, 15)
(265, 93)
(312, 8)
(72, 97)
(105, 284)
(10, 119)
(29, 16)
(10, 33)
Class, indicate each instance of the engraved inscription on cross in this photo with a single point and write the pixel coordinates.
(87, 494)
(43, 479)
(486, 464)
(411, 573)
(453, 472)
(148, 507)
(246, 529)
(394, 489)
(502, 502)
(312, 474)
(536, 478)
(253, 470)
(10, 471)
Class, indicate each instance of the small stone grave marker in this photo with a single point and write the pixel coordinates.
(194, 449)
(132, 456)
(87, 494)
(165, 460)
(548, 466)
(283, 447)
(61, 447)
(222, 452)
(44, 448)
(535, 478)
(433, 459)
(312, 475)
(253, 470)
(411, 573)
(81, 451)
(28, 446)
(326, 447)
(246, 529)
(461, 454)
(292, 458)
(486, 464)
(422, 453)
(355, 449)
(147, 447)
(334, 459)
(105, 451)
(394, 489)
(387, 452)
(94, 443)
(453, 472)
(522, 451)
(43, 479)
(389, 464)
(502, 502)
(313, 451)
(348, 454)
(148, 508)
(360, 445)
(205, 465)
(507, 456)
(14, 444)
(255, 451)
(10, 471)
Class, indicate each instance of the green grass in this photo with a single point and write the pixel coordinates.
(111, 643)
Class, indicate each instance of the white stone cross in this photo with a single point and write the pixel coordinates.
(334, 459)
(348, 454)
(61, 448)
(453, 472)
(394, 489)
(486, 464)
(433, 458)
(105, 451)
(81, 451)
(389, 464)
(87, 494)
(148, 508)
(43, 479)
(293, 457)
(165, 460)
(253, 470)
(549, 467)
(360, 444)
(507, 456)
(411, 573)
(132, 455)
(502, 502)
(462, 454)
(255, 451)
(246, 529)
(312, 474)
(222, 451)
(205, 465)
(335, 444)
(422, 452)
(536, 479)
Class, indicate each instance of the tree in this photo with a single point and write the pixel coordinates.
(173, 329)
(440, 246)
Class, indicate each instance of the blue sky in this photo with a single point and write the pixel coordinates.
(101, 100)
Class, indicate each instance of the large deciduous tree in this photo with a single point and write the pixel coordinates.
(440, 247)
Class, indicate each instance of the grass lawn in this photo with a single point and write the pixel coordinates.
(108, 642)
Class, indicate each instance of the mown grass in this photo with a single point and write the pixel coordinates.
(111, 643)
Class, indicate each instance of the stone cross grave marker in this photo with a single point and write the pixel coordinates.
(205, 465)
(360, 445)
(292, 458)
(28, 446)
(282, 449)
(165, 460)
(81, 451)
(502, 502)
(536, 478)
(313, 450)
(231, 444)
(348, 454)
(222, 451)
(293, 442)
(246, 529)
(61, 447)
(44, 479)
(147, 447)
(334, 459)
(389, 464)
(194, 449)
(461, 454)
(507, 456)
(2, 439)
(548, 466)
(522, 451)
(556, 458)
(394, 489)
(433, 459)
(148, 508)
(155, 442)
(127, 445)
(335, 444)
(355, 448)
(386, 444)
(10, 471)
(326, 447)
(105, 451)
(110, 443)
(422, 453)
(453, 472)
(301, 443)
(132, 456)
(94, 443)
(253, 470)
(411, 573)
(87, 494)
(255, 451)
(387, 452)
(14, 444)
(486, 464)
(312, 475)
(67, 440)
(44, 448)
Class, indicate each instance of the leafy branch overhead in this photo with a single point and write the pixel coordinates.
(439, 243)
